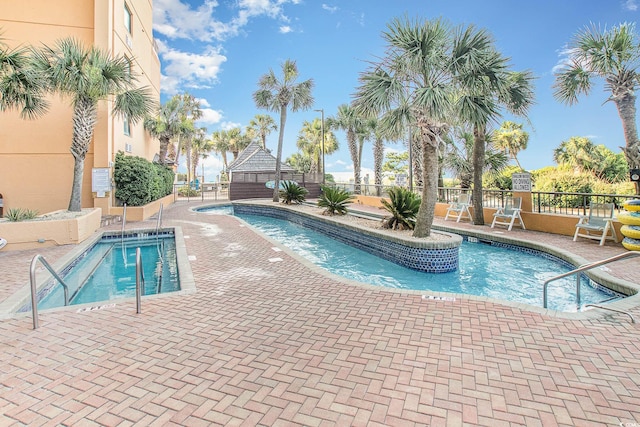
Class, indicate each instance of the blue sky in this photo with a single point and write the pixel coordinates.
(217, 51)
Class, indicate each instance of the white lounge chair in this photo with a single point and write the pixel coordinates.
(459, 208)
(599, 221)
(3, 243)
(508, 214)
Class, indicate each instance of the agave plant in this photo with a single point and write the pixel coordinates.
(19, 214)
(290, 192)
(403, 206)
(334, 200)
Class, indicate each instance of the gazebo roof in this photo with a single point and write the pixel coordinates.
(254, 158)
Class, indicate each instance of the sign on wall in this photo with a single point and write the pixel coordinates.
(100, 181)
(521, 182)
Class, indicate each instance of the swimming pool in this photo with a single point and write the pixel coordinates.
(499, 271)
(106, 270)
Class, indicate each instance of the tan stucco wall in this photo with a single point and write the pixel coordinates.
(36, 167)
(38, 234)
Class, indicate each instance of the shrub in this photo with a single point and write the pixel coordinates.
(403, 206)
(19, 214)
(334, 200)
(501, 179)
(186, 191)
(139, 181)
(292, 193)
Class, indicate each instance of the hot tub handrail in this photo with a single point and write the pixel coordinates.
(32, 275)
(139, 281)
(582, 268)
(159, 220)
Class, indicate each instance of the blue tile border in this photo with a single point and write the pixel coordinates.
(432, 258)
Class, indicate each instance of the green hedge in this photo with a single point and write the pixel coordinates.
(139, 181)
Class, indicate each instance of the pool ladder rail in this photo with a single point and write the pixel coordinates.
(586, 267)
(32, 274)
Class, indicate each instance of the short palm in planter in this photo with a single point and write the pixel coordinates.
(403, 206)
(334, 200)
(292, 193)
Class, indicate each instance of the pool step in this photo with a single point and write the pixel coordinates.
(81, 275)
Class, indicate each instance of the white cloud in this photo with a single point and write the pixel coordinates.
(175, 19)
(203, 102)
(210, 116)
(285, 29)
(631, 5)
(189, 69)
(230, 125)
(331, 9)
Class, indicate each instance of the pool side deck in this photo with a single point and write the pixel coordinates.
(269, 340)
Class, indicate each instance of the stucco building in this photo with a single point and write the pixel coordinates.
(36, 167)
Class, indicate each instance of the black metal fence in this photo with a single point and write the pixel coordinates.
(542, 202)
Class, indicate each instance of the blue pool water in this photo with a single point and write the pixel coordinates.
(107, 271)
(484, 269)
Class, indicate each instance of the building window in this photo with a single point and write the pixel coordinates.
(127, 18)
(127, 126)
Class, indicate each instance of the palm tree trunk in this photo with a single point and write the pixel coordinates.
(477, 157)
(84, 121)
(627, 112)
(378, 158)
(353, 151)
(276, 187)
(426, 214)
(162, 155)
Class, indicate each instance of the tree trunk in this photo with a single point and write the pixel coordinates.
(378, 158)
(283, 120)
(418, 161)
(353, 151)
(424, 219)
(479, 146)
(84, 122)
(162, 154)
(627, 111)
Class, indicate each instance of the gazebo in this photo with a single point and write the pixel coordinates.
(255, 168)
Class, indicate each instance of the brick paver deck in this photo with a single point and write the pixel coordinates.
(269, 342)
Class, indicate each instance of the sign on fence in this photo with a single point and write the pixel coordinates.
(521, 182)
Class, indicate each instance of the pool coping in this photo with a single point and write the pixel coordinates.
(9, 307)
(600, 276)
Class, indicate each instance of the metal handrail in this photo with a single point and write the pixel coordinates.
(32, 275)
(582, 268)
(139, 281)
(124, 222)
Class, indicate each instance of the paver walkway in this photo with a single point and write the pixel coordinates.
(276, 343)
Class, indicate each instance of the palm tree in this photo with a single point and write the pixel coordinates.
(165, 126)
(352, 123)
(411, 85)
(378, 135)
(21, 87)
(458, 157)
(237, 141)
(310, 143)
(577, 151)
(278, 95)
(262, 125)
(512, 139)
(613, 56)
(87, 76)
(200, 147)
(189, 112)
(486, 86)
(220, 144)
